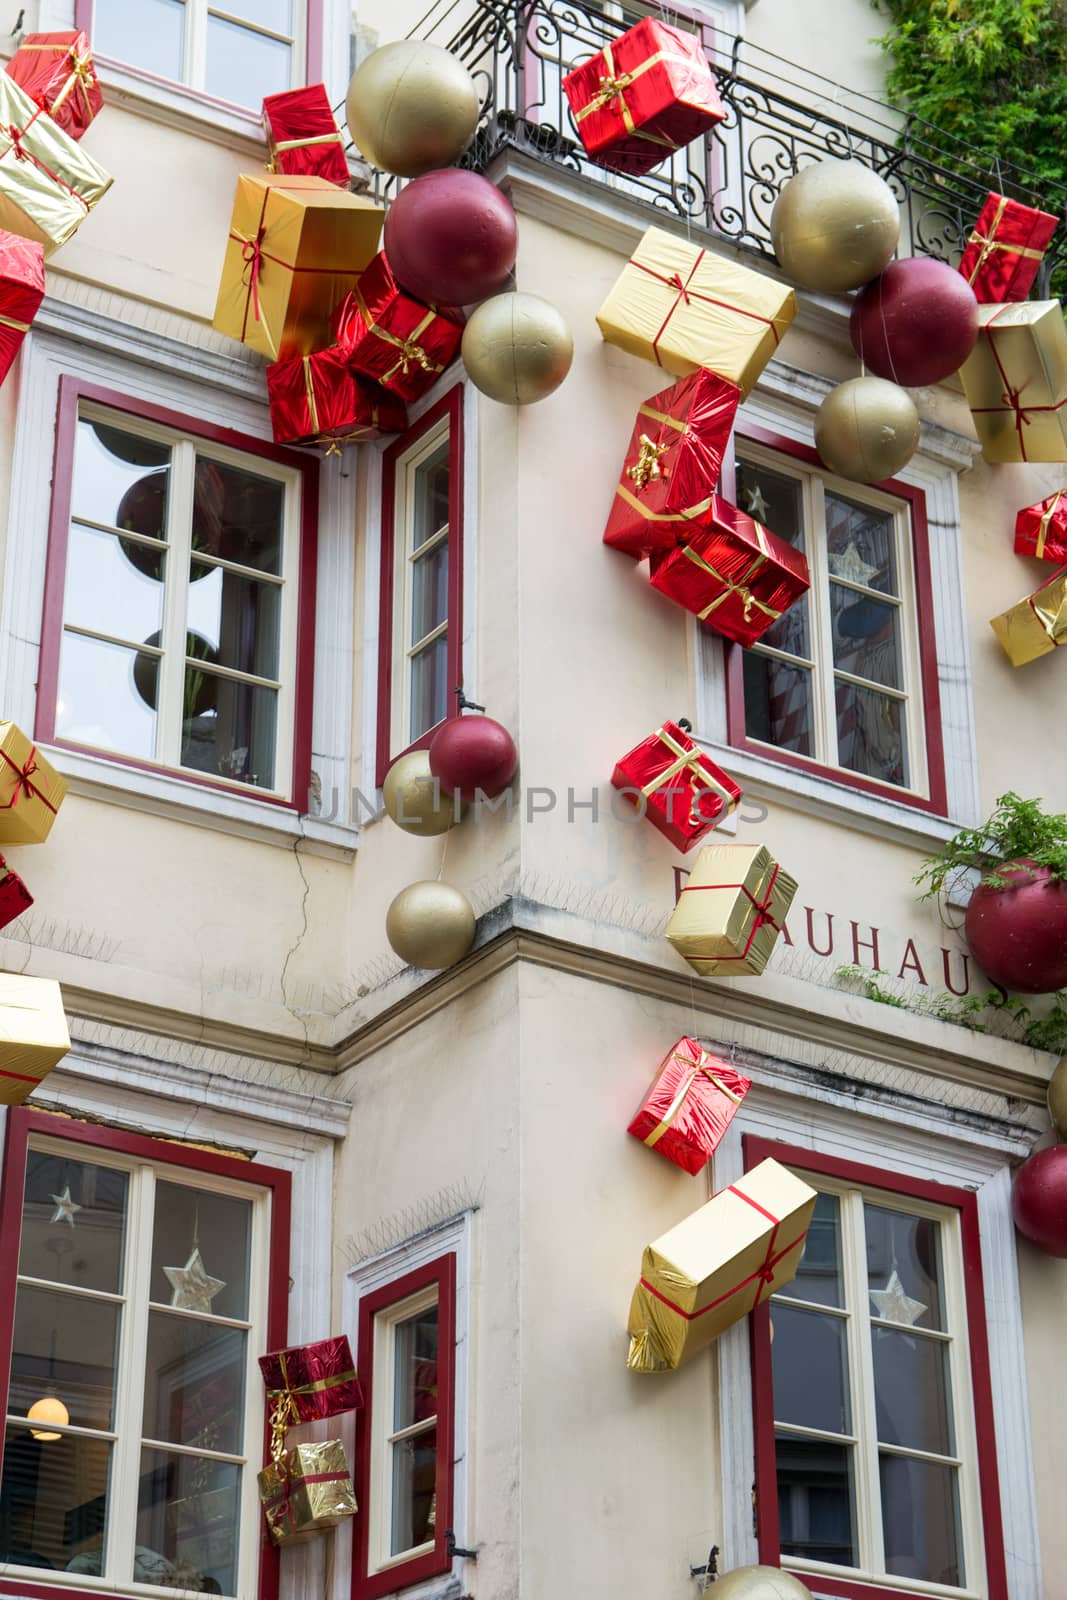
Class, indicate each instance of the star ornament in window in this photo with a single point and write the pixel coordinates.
(194, 1289)
(851, 566)
(65, 1207)
(755, 504)
(893, 1305)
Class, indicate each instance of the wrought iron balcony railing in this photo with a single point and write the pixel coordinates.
(779, 118)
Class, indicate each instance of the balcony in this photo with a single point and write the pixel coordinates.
(779, 118)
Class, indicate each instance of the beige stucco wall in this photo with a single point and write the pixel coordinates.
(1044, 1295)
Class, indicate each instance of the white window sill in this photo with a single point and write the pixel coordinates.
(181, 801)
(443, 1588)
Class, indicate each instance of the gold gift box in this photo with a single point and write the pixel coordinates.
(48, 189)
(31, 790)
(730, 911)
(306, 1491)
(297, 246)
(33, 1034)
(711, 1270)
(1015, 381)
(683, 308)
(1035, 626)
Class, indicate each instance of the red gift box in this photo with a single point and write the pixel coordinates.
(318, 399)
(15, 898)
(310, 1381)
(56, 70)
(680, 789)
(1041, 530)
(392, 337)
(21, 293)
(303, 136)
(642, 97)
(733, 573)
(692, 1101)
(672, 464)
(1005, 249)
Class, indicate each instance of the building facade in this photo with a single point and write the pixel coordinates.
(268, 1129)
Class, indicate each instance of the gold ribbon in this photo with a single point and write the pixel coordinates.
(614, 87)
(309, 390)
(688, 759)
(302, 144)
(689, 514)
(989, 243)
(9, 322)
(647, 466)
(737, 586)
(663, 417)
(333, 443)
(284, 1409)
(696, 1071)
(410, 349)
(1042, 532)
(81, 71)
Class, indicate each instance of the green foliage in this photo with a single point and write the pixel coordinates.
(1016, 828)
(974, 1011)
(868, 981)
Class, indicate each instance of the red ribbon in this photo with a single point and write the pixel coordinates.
(16, 135)
(684, 296)
(763, 911)
(1012, 398)
(763, 1277)
(23, 776)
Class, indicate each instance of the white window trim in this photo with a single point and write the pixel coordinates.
(229, 391)
(404, 558)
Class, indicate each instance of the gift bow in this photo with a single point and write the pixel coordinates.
(333, 442)
(82, 73)
(989, 243)
(738, 586)
(24, 783)
(613, 85)
(1011, 397)
(647, 466)
(410, 349)
(684, 295)
(696, 1070)
(284, 1409)
(686, 759)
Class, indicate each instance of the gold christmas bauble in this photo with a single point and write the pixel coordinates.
(835, 226)
(760, 1583)
(1057, 1098)
(867, 429)
(411, 108)
(430, 925)
(414, 798)
(517, 348)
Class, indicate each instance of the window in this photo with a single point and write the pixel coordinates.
(405, 1435)
(234, 50)
(420, 662)
(846, 681)
(873, 1426)
(178, 607)
(140, 1277)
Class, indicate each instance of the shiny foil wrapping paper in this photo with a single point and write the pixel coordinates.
(1037, 625)
(318, 399)
(31, 790)
(731, 910)
(309, 1382)
(56, 70)
(296, 247)
(21, 293)
(733, 573)
(303, 136)
(704, 1275)
(642, 97)
(1016, 382)
(1005, 248)
(690, 1105)
(683, 308)
(48, 185)
(1041, 530)
(672, 464)
(393, 338)
(306, 1491)
(680, 789)
(15, 898)
(33, 1034)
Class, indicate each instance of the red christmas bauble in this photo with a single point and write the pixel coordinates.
(471, 754)
(1018, 935)
(1039, 1200)
(451, 238)
(916, 324)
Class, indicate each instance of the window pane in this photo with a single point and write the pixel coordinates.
(920, 1515)
(113, 585)
(54, 1501)
(810, 1361)
(229, 728)
(816, 1500)
(777, 703)
(277, 15)
(870, 733)
(911, 1391)
(194, 1383)
(237, 515)
(429, 592)
(414, 1485)
(217, 1225)
(415, 1369)
(866, 636)
(819, 1274)
(909, 1249)
(72, 1222)
(430, 495)
(860, 544)
(111, 481)
(243, 66)
(238, 619)
(773, 499)
(790, 632)
(429, 686)
(65, 1347)
(187, 1522)
(100, 702)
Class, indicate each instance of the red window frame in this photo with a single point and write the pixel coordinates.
(313, 33)
(965, 1201)
(72, 391)
(367, 1585)
(736, 733)
(22, 1124)
(450, 405)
